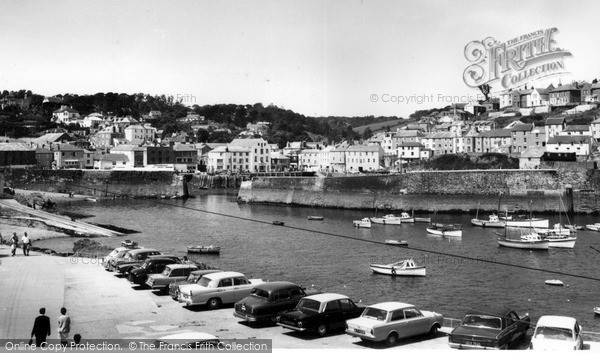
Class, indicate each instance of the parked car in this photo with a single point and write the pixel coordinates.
(110, 260)
(495, 328)
(267, 300)
(133, 258)
(320, 313)
(217, 288)
(557, 332)
(391, 321)
(153, 264)
(187, 340)
(193, 278)
(171, 273)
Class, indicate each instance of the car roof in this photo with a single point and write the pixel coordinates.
(187, 336)
(161, 257)
(326, 297)
(139, 251)
(277, 285)
(556, 321)
(492, 311)
(225, 274)
(389, 306)
(174, 266)
(205, 272)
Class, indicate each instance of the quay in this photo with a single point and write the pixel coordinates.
(103, 306)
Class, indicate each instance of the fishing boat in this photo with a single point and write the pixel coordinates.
(406, 218)
(91, 199)
(449, 230)
(597, 310)
(531, 241)
(554, 282)
(129, 244)
(493, 221)
(363, 223)
(387, 219)
(595, 227)
(528, 222)
(278, 223)
(422, 219)
(400, 268)
(396, 242)
(315, 218)
(211, 249)
(557, 229)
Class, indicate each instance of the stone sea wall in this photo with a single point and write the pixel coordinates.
(441, 191)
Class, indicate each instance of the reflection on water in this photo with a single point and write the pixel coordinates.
(298, 252)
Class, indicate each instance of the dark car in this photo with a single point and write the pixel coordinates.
(194, 277)
(320, 313)
(268, 300)
(132, 258)
(153, 264)
(494, 328)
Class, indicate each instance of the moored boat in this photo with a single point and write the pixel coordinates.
(422, 219)
(528, 222)
(561, 241)
(198, 249)
(396, 242)
(493, 221)
(91, 199)
(554, 282)
(450, 230)
(406, 218)
(400, 268)
(315, 218)
(129, 244)
(387, 219)
(558, 229)
(363, 223)
(595, 227)
(531, 241)
(278, 223)
(597, 310)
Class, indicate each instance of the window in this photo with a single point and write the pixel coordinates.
(333, 306)
(238, 281)
(226, 282)
(397, 315)
(346, 304)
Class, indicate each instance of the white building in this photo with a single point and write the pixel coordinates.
(260, 153)
(410, 151)
(440, 142)
(92, 120)
(140, 134)
(65, 115)
(363, 158)
(229, 158)
(135, 155)
(581, 145)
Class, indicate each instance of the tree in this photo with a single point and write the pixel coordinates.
(203, 135)
(367, 134)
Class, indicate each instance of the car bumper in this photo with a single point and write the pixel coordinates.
(249, 318)
(295, 328)
(365, 335)
(470, 346)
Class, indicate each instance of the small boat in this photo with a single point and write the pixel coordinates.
(387, 219)
(406, 218)
(574, 228)
(396, 242)
(400, 268)
(558, 229)
(449, 230)
(315, 218)
(528, 222)
(278, 223)
(531, 241)
(423, 219)
(211, 249)
(91, 199)
(363, 223)
(493, 221)
(129, 244)
(554, 282)
(561, 241)
(597, 310)
(595, 227)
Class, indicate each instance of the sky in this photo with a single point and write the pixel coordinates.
(318, 58)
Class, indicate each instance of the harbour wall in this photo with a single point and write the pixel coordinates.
(550, 190)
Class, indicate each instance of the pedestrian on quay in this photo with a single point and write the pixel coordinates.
(64, 326)
(26, 244)
(1, 239)
(41, 328)
(14, 244)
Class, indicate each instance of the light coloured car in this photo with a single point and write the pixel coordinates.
(217, 288)
(171, 274)
(391, 321)
(557, 333)
(110, 259)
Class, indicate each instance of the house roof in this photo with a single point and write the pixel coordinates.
(569, 139)
(246, 142)
(67, 147)
(123, 148)
(577, 128)
(555, 121)
(495, 133)
(117, 157)
(565, 88)
(184, 147)
(64, 108)
(14, 146)
(522, 127)
(220, 149)
(411, 144)
(440, 135)
(363, 148)
(533, 152)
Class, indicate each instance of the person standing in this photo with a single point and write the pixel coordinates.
(41, 328)
(14, 243)
(64, 326)
(26, 244)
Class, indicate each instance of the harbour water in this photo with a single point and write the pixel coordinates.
(334, 256)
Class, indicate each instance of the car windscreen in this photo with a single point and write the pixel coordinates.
(257, 292)
(308, 304)
(374, 313)
(204, 282)
(166, 272)
(553, 333)
(192, 278)
(486, 321)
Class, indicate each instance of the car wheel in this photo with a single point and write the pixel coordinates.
(391, 339)
(322, 330)
(434, 330)
(214, 303)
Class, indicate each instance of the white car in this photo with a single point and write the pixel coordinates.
(217, 288)
(556, 333)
